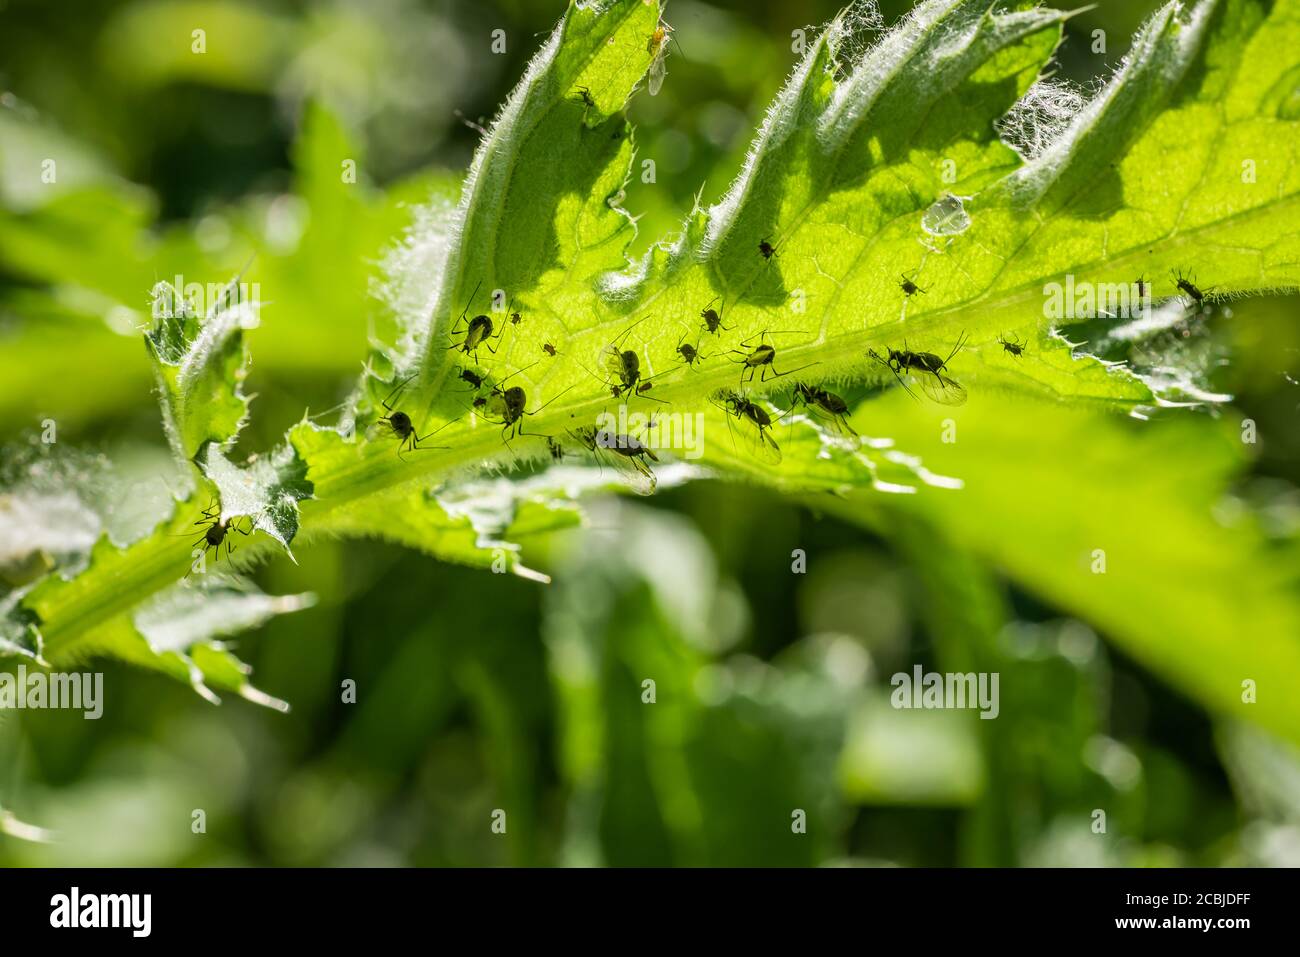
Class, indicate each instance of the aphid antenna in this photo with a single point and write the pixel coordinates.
(623, 335)
(602, 381)
(795, 400)
(772, 332)
(957, 346)
(469, 302)
(499, 382)
(549, 401)
(308, 416)
(672, 37)
(588, 442)
(396, 389)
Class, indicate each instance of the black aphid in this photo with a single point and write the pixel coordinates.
(510, 406)
(826, 403)
(746, 410)
(760, 358)
(1188, 286)
(1017, 349)
(938, 386)
(473, 378)
(477, 333)
(584, 97)
(909, 287)
(712, 320)
(689, 353)
(629, 447)
(624, 367)
(401, 426)
(217, 530)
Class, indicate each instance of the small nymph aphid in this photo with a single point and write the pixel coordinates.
(909, 287)
(1012, 346)
(712, 320)
(217, 531)
(689, 353)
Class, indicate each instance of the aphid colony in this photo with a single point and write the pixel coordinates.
(624, 379)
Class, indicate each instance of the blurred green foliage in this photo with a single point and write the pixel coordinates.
(476, 691)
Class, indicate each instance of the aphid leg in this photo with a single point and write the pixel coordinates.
(208, 513)
(396, 389)
(637, 390)
(890, 366)
(777, 375)
(512, 429)
(461, 318)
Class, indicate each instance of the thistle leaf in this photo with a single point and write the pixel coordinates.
(200, 365)
(916, 214)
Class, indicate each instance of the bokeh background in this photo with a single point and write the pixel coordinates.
(478, 691)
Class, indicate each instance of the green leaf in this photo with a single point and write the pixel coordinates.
(267, 490)
(1134, 533)
(541, 195)
(91, 251)
(483, 523)
(871, 163)
(200, 363)
(174, 630)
